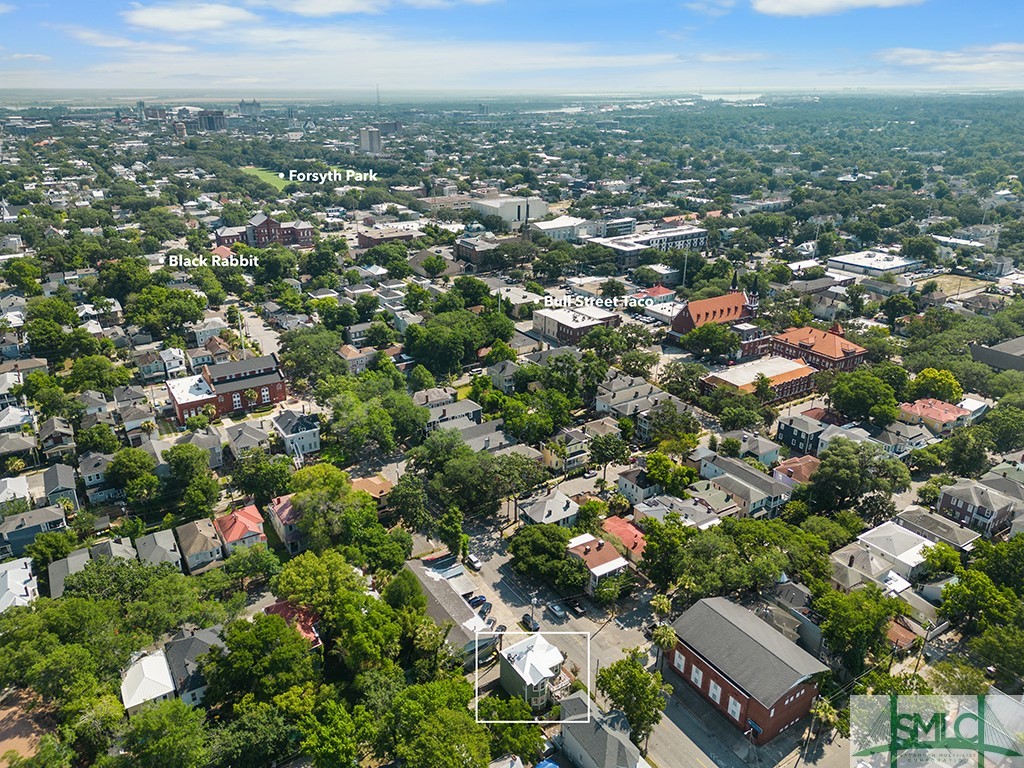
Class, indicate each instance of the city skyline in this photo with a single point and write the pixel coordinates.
(494, 46)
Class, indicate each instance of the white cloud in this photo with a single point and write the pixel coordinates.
(27, 57)
(100, 40)
(187, 17)
(1001, 59)
(6, 7)
(726, 57)
(710, 7)
(822, 7)
(321, 8)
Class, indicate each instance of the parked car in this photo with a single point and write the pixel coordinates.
(556, 610)
(590, 473)
(477, 600)
(530, 623)
(490, 623)
(474, 562)
(576, 606)
(501, 628)
(485, 609)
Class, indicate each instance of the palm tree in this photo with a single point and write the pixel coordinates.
(210, 411)
(824, 715)
(662, 605)
(664, 640)
(15, 464)
(148, 427)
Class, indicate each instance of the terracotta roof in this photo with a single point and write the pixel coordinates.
(301, 618)
(630, 536)
(720, 309)
(653, 293)
(825, 343)
(377, 487)
(799, 468)
(937, 410)
(598, 555)
(240, 523)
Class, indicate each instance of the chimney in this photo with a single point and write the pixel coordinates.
(444, 412)
(852, 557)
(600, 544)
(586, 550)
(567, 503)
(789, 471)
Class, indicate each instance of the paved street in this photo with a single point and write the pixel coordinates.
(256, 330)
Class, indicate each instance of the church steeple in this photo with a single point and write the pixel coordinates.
(735, 281)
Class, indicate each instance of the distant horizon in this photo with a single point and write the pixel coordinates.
(367, 97)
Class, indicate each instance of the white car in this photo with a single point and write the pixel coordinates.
(474, 562)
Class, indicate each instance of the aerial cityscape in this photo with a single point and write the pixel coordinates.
(468, 384)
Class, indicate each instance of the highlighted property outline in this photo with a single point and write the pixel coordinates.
(476, 677)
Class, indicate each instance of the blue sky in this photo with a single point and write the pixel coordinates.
(562, 46)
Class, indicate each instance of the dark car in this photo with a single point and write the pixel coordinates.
(477, 600)
(484, 610)
(648, 630)
(531, 623)
(576, 606)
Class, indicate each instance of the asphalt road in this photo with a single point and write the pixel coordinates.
(256, 330)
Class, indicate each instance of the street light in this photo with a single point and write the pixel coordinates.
(533, 606)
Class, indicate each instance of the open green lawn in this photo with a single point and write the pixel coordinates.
(268, 176)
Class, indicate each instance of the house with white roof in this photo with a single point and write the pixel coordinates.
(530, 670)
(147, 679)
(18, 584)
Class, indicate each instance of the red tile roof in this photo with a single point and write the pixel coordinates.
(802, 467)
(720, 309)
(825, 343)
(630, 536)
(936, 410)
(239, 524)
(303, 619)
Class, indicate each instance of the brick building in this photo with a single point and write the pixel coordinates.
(824, 350)
(229, 387)
(262, 230)
(729, 309)
(760, 680)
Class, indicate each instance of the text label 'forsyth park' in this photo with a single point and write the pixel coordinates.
(318, 177)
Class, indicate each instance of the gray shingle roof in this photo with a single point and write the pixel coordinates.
(605, 738)
(745, 649)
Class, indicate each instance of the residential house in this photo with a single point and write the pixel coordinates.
(304, 620)
(356, 360)
(939, 417)
(453, 415)
(14, 488)
(937, 528)
(502, 376)
(59, 570)
(637, 486)
(603, 561)
(899, 439)
(760, 680)
(94, 402)
(209, 328)
(121, 548)
(284, 519)
(799, 433)
(567, 451)
(18, 531)
(18, 585)
(59, 483)
(147, 679)
(299, 432)
(200, 545)
(595, 739)
(248, 435)
(208, 439)
(185, 652)
(530, 670)
(159, 547)
(93, 469)
(975, 504)
(554, 508)
(797, 470)
(151, 366)
(57, 438)
(695, 512)
(757, 494)
(754, 446)
(632, 538)
(15, 419)
(138, 421)
(434, 396)
(241, 527)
